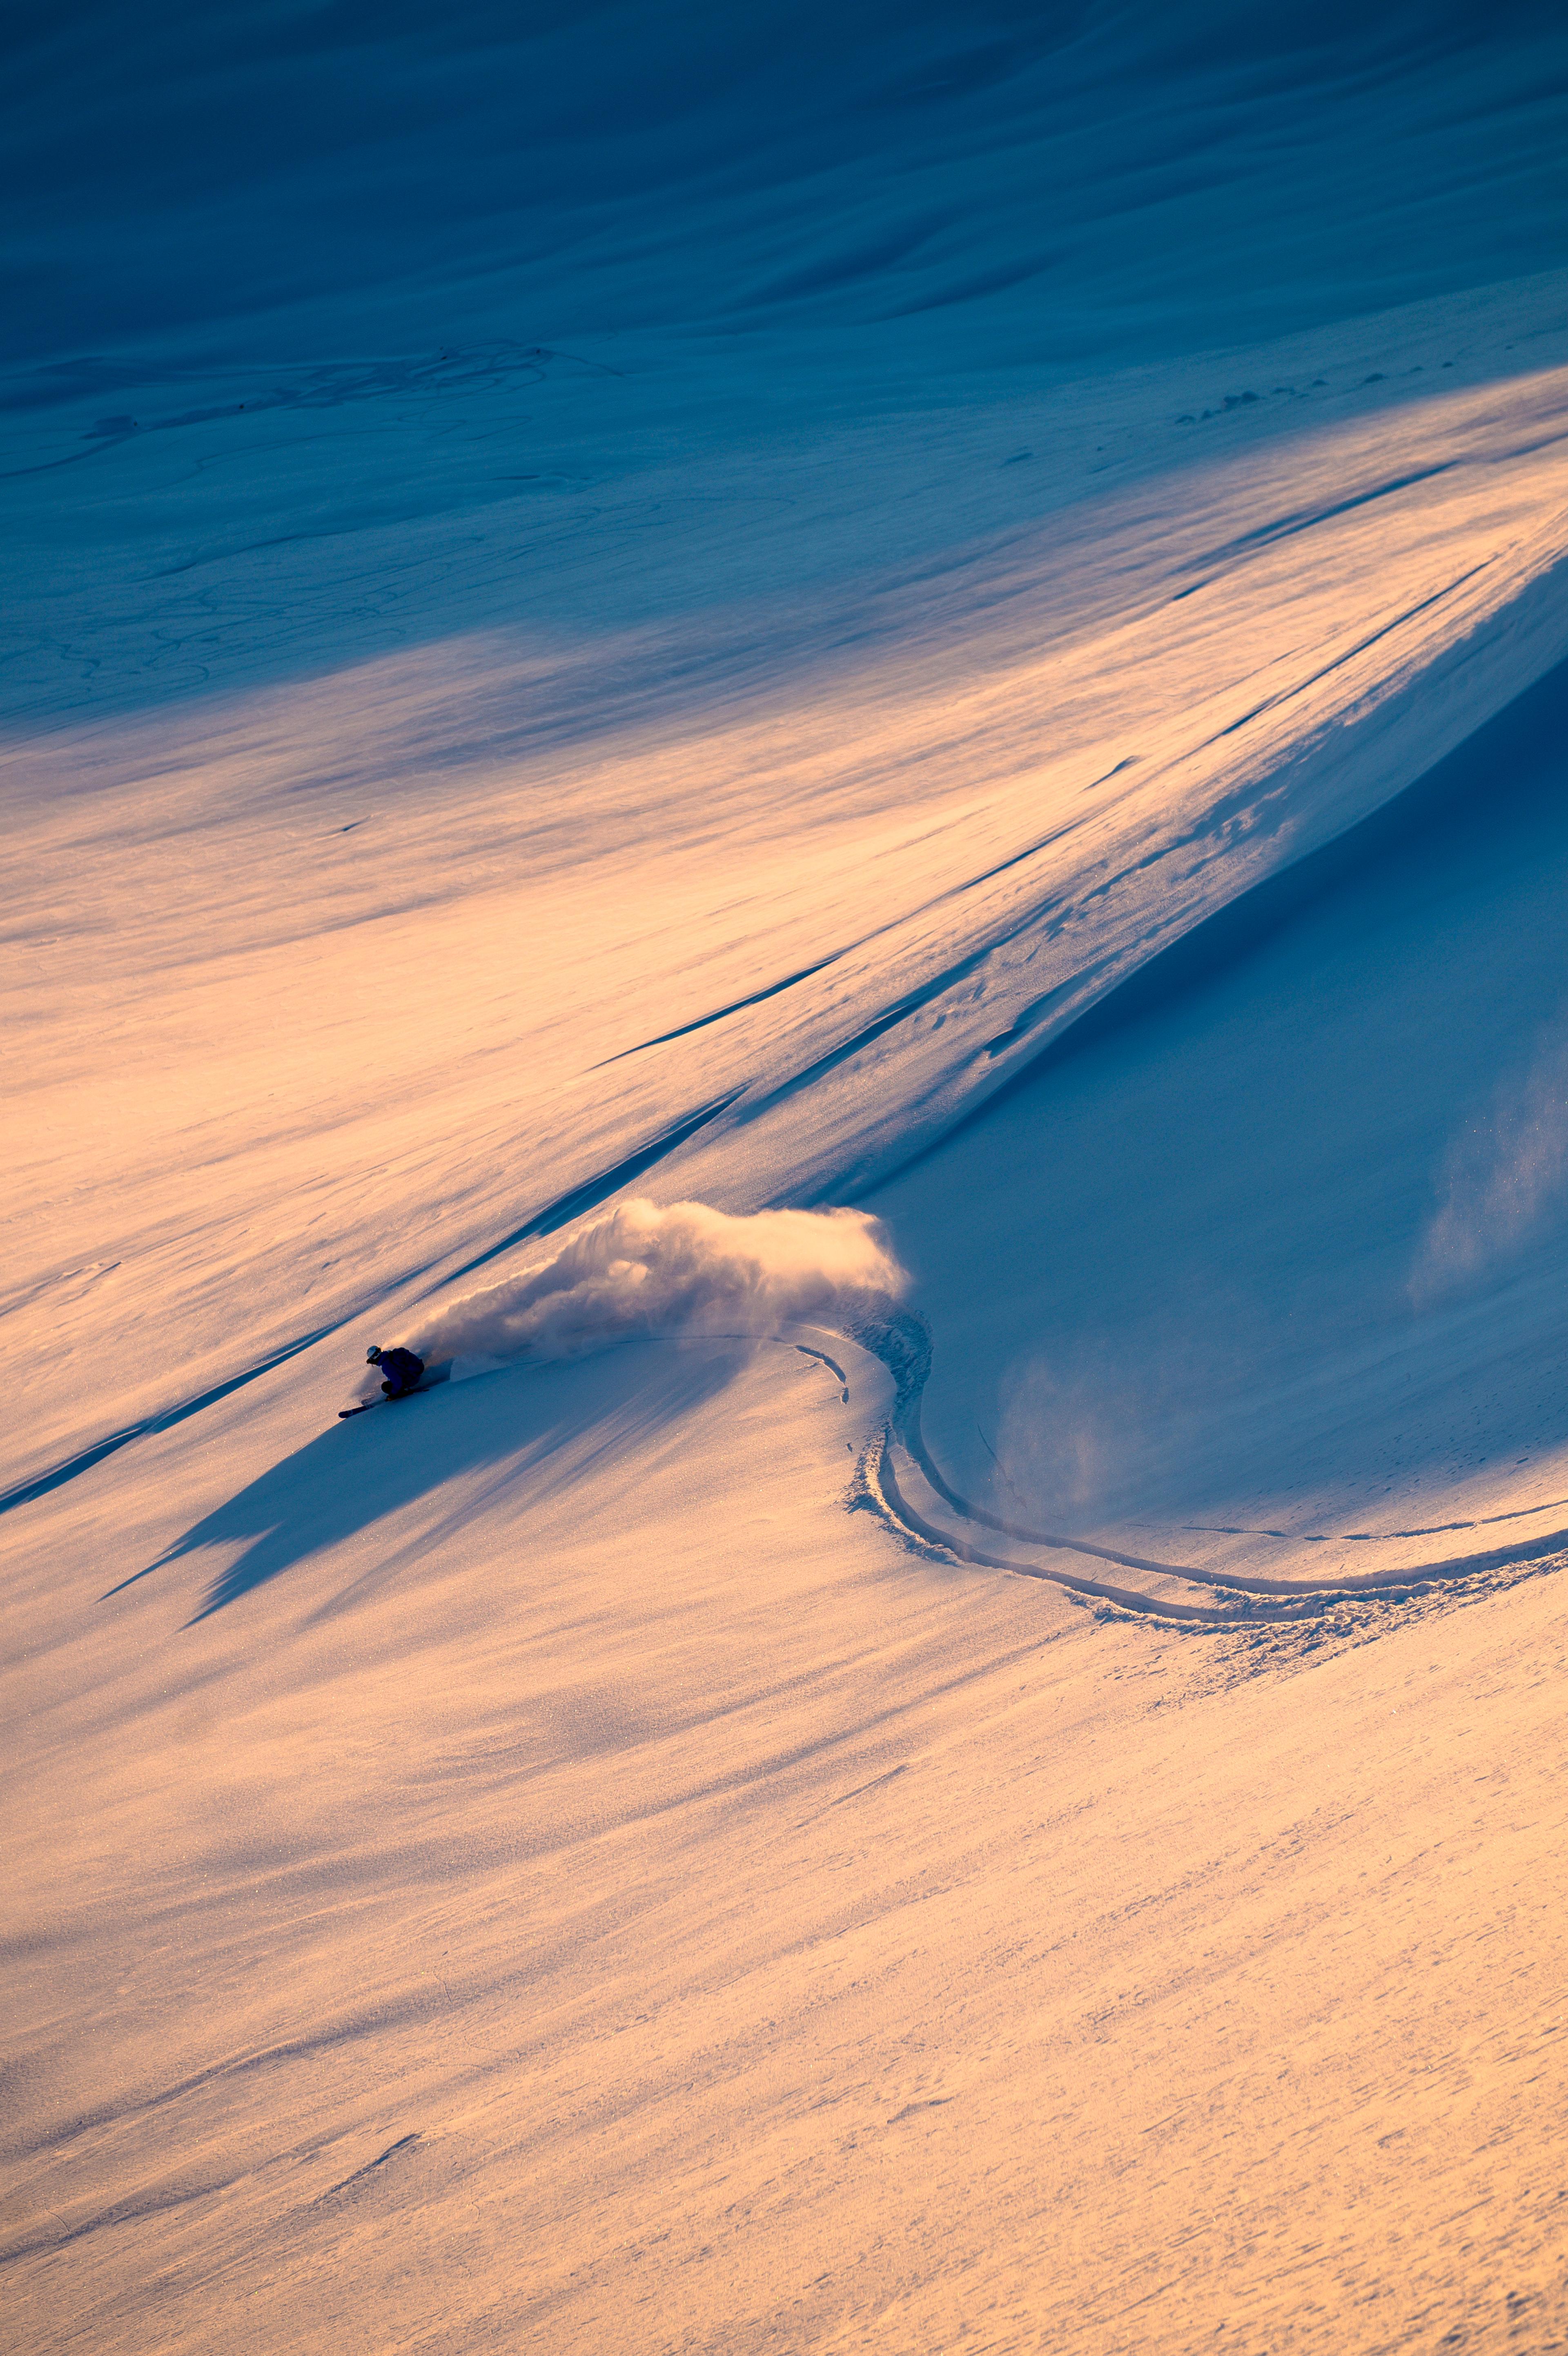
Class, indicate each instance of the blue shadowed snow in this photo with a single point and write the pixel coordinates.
(977, 186)
(506, 285)
(1281, 1231)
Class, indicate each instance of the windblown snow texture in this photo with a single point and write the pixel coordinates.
(690, 657)
(1101, 178)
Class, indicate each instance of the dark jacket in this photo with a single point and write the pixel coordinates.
(401, 1371)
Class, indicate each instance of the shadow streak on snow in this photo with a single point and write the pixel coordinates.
(1483, 767)
(557, 1213)
(1471, 769)
(85, 1458)
(550, 1425)
(595, 1191)
(905, 1005)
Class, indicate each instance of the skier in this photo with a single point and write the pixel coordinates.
(401, 1369)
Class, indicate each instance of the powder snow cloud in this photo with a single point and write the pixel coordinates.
(646, 1269)
(1502, 1174)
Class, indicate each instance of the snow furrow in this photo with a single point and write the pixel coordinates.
(903, 1344)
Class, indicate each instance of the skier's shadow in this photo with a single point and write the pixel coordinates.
(548, 1426)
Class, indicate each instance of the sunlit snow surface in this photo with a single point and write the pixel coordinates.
(964, 617)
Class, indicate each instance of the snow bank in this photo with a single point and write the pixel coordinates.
(643, 1269)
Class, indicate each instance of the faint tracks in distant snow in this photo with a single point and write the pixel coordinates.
(900, 1482)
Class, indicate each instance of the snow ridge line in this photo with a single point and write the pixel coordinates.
(1395, 729)
(902, 1342)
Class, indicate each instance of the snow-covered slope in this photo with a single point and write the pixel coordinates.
(1285, 1234)
(959, 615)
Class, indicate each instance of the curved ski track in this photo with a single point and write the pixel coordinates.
(899, 1457)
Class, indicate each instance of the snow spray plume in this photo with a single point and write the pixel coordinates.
(1503, 1176)
(643, 1270)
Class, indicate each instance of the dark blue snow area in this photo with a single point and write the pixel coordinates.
(991, 184)
(1284, 1221)
(279, 282)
